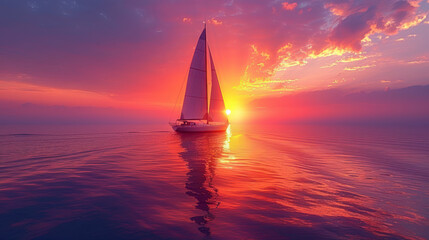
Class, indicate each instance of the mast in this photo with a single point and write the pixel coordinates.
(205, 64)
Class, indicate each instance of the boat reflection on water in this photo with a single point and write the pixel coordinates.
(201, 151)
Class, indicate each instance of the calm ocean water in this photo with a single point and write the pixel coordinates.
(266, 182)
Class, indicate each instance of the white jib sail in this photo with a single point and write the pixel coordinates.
(217, 106)
(195, 101)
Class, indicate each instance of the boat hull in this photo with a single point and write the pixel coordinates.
(200, 128)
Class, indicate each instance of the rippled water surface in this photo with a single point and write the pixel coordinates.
(265, 182)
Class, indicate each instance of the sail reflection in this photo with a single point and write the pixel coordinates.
(201, 152)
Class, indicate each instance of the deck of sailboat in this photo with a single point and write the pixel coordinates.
(200, 127)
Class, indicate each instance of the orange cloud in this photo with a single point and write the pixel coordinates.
(214, 21)
(418, 61)
(330, 65)
(414, 22)
(186, 20)
(358, 68)
(289, 6)
(353, 59)
(331, 51)
(337, 10)
(415, 3)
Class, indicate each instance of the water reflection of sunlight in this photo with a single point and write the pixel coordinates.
(228, 139)
(227, 156)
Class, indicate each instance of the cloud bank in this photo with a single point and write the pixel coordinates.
(134, 54)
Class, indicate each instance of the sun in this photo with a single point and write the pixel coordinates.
(227, 111)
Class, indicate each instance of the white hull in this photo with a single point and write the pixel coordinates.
(200, 127)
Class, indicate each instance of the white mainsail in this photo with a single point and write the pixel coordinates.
(195, 102)
(217, 106)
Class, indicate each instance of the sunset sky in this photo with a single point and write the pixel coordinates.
(111, 58)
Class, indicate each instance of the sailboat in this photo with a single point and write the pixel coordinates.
(198, 113)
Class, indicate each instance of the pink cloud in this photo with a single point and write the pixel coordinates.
(289, 6)
(374, 17)
(349, 33)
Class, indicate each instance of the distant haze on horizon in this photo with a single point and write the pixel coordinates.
(125, 61)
